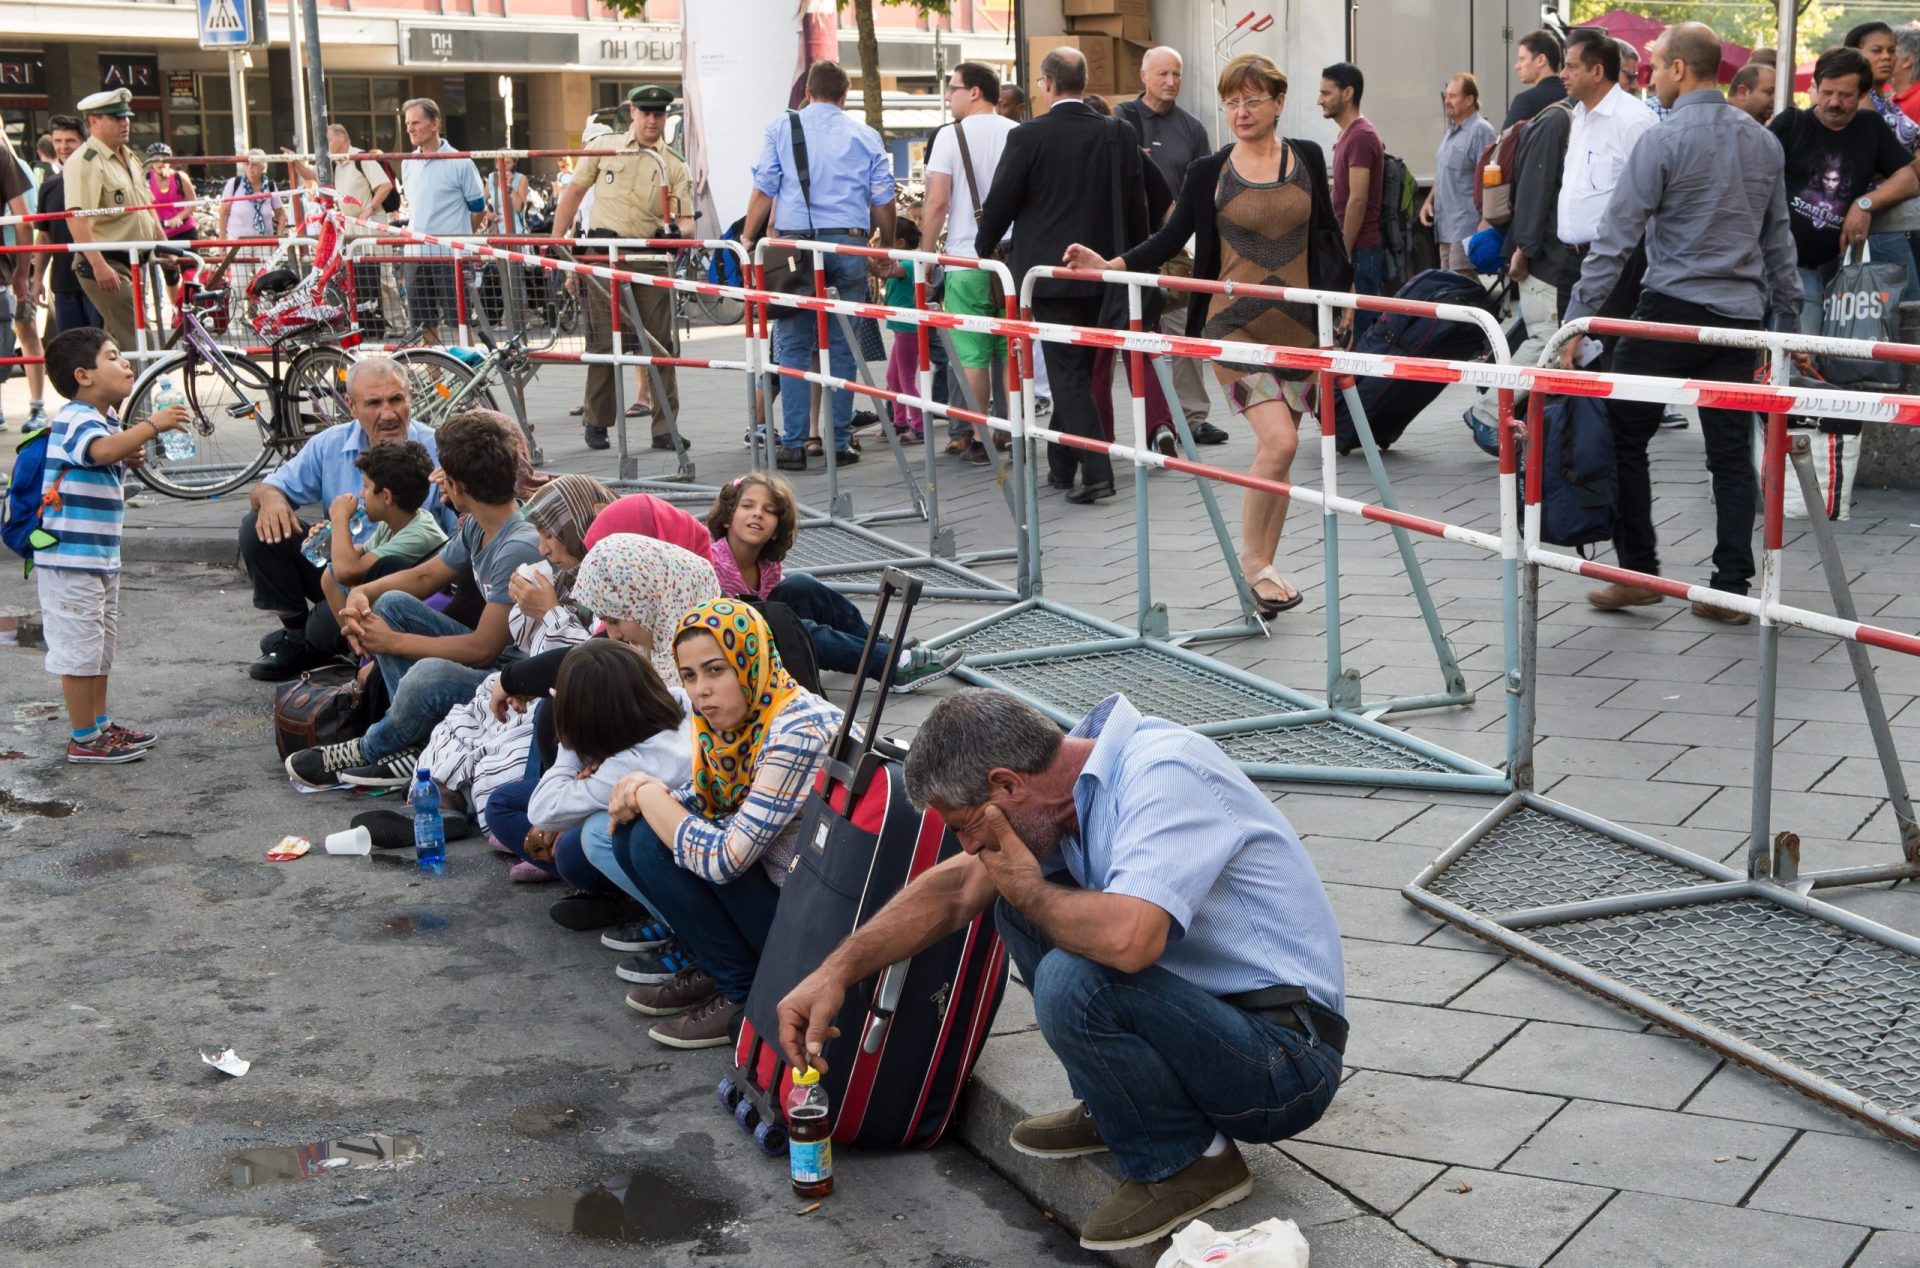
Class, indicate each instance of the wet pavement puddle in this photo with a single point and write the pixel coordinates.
(12, 805)
(374, 1151)
(409, 924)
(654, 1205)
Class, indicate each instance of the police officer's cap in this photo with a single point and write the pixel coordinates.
(117, 102)
(651, 97)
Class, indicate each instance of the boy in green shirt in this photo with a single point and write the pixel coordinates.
(394, 483)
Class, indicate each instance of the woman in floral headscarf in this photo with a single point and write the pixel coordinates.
(710, 856)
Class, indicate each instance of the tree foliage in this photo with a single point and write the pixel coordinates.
(1749, 22)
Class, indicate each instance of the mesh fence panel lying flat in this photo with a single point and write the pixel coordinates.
(1535, 859)
(944, 576)
(824, 544)
(1325, 743)
(1158, 684)
(1035, 627)
(1838, 1005)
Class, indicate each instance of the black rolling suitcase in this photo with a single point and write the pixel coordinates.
(1393, 404)
(909, 1038)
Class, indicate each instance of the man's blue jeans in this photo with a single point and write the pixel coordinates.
(1160, 1063)
(1369, 275)
(795, 338)
(723, 927)
(422, 691)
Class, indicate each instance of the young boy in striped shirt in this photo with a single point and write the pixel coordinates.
(82, 508)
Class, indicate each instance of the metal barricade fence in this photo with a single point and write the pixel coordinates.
(1740, 959)
(840, 546)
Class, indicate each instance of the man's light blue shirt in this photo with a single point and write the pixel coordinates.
(323, 470)
(442, 195)
(1166, 817)
(847, 167)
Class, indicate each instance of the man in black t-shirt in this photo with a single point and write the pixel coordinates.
(1837, 153)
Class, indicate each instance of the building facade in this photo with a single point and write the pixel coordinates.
(564, 58)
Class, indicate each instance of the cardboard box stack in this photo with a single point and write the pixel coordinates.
(1113, 35)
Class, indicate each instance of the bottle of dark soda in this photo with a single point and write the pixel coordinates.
(809, 1133)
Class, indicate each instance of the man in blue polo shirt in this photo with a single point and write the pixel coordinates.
(1167, 920)
(285, 582)
(444, 196)
(842, 191)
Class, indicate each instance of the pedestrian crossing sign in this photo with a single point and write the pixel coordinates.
(232, 23)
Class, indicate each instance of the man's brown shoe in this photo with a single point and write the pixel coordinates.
(1065, 1133)
(708, 1026)
(1723, 615)
(959, 444)
(1613, 597)
(1140, 1213)
(688, 988)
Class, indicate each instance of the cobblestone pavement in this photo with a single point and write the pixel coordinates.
(1491, 1113)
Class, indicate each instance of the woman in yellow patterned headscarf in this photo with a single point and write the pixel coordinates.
(730, 732)
(759, 742)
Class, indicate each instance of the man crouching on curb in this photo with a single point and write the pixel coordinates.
(1183, 957)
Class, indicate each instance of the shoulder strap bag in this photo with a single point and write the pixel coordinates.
(791, 272)
(996, 295)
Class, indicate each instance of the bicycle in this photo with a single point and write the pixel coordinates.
(245, 416)
(699, 264)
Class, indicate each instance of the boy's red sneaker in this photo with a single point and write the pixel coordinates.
(142, 740)
(103, 749)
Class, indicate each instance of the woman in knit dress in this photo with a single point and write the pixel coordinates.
(1252, 209)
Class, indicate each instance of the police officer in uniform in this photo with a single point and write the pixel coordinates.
(105, 175)
(632, 183)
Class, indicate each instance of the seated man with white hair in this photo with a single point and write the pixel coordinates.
(272, 532)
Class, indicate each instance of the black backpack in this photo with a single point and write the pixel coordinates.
(1396, 220)
(1578, 488)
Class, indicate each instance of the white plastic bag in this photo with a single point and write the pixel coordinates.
(1836, 461)
(1268, 1244)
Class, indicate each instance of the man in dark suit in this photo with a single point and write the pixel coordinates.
(1069, 176)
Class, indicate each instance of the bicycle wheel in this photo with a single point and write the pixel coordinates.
(721, 310)
(316, 388)
(442, 385)
(232, 406)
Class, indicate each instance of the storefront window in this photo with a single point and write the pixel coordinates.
(369, 108)
(201, 116)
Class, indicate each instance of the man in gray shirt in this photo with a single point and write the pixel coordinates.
(1708, 191)
(1449, 208)
(1173, 138)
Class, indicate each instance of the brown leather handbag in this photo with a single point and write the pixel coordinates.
(322, 706)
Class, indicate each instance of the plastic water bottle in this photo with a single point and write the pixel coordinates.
(176, 445)
(429, 832)
(318, 548)
(809, 1136)
(357, 526)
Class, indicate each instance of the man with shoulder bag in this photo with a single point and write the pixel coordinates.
(960, 170)
(821, 174)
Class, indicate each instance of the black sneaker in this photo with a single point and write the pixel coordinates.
(1208, 434)
(284, 662)
(790, 459)
(582, 912)
(845, 457)
(396, 771)
(1167, 443)
(863, 418)
(321, 767)
(273, 638)
(639, 935)
(658, 965)
(666, 442)
(597, 438)
(390, 829)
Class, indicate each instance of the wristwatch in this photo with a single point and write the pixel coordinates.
(1864, 202)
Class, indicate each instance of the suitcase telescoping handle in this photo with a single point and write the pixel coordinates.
(886, 998)
(842, 761)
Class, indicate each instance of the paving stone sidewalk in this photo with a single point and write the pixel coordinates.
(1491, 1114)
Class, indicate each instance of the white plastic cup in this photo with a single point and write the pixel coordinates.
(352, 841)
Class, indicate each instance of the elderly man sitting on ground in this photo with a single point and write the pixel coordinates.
(272, 532)
(1166, 919)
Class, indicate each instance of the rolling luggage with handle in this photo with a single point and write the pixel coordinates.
(1393, 404)
(909, 1038)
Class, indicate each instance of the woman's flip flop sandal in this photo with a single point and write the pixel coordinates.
(1270, 608)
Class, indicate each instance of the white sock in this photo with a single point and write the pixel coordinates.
(1218, 1147)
